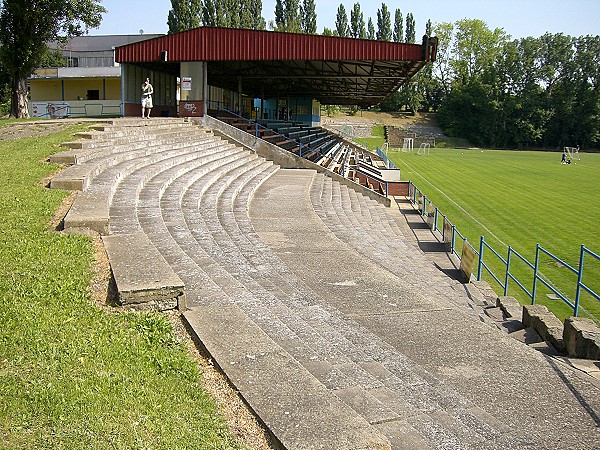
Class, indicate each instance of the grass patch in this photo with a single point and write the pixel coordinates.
(519, 198)
(71, 374)
(378, 139)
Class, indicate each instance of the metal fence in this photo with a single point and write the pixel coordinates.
(457, 242)
(62, 110)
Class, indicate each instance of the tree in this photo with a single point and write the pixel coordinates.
(257, 21)
(309, 17)
(428, 28)
(398, 26)
(229, 13)
(384, 24)
(287, 16)
(357, 23)
(293, 22)
(24, 30)
(442, 71)
(475, 48)
(184, 14)
(279, 15)
(410, 29)
(53, 58)
(371, 30)
(341, 22)
(246, 14)
(327, 32)
(209, 13)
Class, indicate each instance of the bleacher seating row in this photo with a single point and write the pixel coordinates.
(313, 143)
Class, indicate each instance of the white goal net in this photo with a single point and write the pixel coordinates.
(424, 149)
(571, 154)
(408, 145)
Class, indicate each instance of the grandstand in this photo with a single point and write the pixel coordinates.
(270, 237)
(334, 152)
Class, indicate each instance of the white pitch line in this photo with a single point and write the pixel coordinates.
(457, 205)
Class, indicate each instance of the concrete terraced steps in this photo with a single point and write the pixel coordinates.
(425, 371)
(290, 279)
(158, 245)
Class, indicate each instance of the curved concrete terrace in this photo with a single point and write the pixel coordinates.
(321, 309)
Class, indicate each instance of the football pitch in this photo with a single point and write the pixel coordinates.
(519, 198)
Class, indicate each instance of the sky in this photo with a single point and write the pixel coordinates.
(519, 18)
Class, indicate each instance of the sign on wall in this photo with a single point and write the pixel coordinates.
(467, 260)
(186, 83)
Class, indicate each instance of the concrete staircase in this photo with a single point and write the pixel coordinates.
(332, 325)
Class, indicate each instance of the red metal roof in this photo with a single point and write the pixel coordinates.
(228, 44)
(332, 70)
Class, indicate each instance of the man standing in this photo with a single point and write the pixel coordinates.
(147, 91)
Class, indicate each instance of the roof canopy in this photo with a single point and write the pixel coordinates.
(331, 69)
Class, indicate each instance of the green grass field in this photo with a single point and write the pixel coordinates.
(519, 198)
(73, 375)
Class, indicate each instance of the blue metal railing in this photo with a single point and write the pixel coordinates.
(418, 198)
(388, 162)
(56, 111)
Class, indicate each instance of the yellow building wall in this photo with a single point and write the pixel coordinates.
(75, 89)
(42, 90)
(113, 89)
(52, 90)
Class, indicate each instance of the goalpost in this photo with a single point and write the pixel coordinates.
(572, 153)
(407, 145)
(424, 148)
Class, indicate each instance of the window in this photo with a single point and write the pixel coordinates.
(93, 94)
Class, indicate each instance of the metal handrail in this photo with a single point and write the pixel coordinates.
(416, 196)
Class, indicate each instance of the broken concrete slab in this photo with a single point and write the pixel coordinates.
(141, 274)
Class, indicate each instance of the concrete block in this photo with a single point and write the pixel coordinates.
(486, 290)
(510, 306)
(141, 274)
(582, 338)
(475, 295)
(89, 210)
(64, 157)
(532, 311)
(495, 313)
(549, 327)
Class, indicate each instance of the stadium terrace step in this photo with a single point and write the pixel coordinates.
(432, 375)
(136, 122)
(91, 207)
(78, 177)
(78, 156)
(127, 138)
(123, 210)
(141, 275)
(281, 392)
(86, 149)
